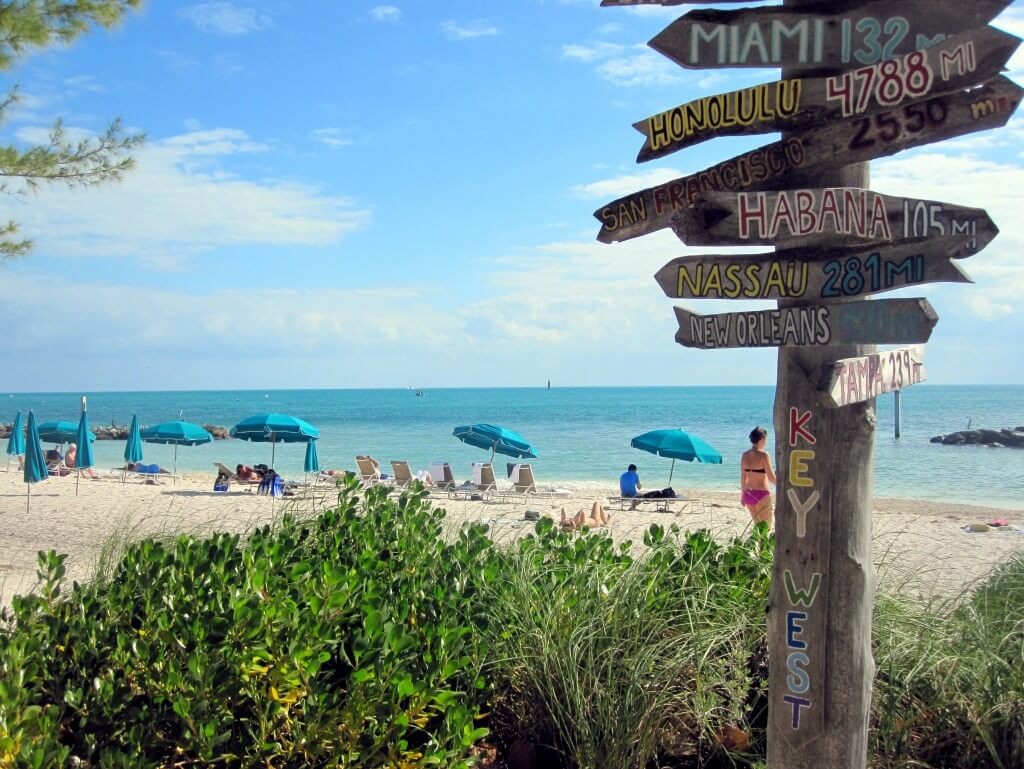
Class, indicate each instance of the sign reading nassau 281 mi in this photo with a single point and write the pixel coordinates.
(774, 36)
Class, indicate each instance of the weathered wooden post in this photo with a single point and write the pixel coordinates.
(881, 78)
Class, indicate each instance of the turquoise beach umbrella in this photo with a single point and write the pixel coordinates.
(60, 431)
(35, 460)
(16, 441)
(498, 439)
(177, 433)
(677, 444)
(312, 464)
(274, 429)
(83, 459)
(133, 446)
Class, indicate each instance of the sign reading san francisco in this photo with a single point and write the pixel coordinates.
(844, 214)
(854, 140)
(775, 36)
(853, 380)
(810, 273)
(957, 63)
(883, 321)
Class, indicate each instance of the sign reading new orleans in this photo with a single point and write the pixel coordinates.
(810, 273)
(957, 63)
(854, 140)
(853, 380)
(774, 36)
(883, 321)
(844, 214)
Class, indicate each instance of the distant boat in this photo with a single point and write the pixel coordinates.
(549, 384)
(419, 393)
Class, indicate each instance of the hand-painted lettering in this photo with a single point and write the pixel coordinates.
(798, 427)
(798, 459)
(794, 628)
(797, 703)
(798, 681)
(801, 508)
(800, 596)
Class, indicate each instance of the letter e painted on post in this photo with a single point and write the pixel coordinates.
(798, 467)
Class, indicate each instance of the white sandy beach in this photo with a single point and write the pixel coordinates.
(916, 543)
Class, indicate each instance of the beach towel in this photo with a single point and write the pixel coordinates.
(513, 471)
(478, 473)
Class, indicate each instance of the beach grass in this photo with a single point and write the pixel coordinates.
(375, 633)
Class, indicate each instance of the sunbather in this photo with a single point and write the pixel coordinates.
(72, 456)
(153, 469)
(246, 473)
(598, 517)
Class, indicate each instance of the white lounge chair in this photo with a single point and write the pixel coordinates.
(369, 470)
(483, 484)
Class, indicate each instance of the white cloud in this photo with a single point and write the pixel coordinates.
(223, 18)
(332, 137)
(631, 66)
(467, 31)
(624, 185)
(591, 52)
(182, 201)
(388, 13)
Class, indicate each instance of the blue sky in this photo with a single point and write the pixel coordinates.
(366, 194)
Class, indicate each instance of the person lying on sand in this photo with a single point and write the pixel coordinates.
(598, 517)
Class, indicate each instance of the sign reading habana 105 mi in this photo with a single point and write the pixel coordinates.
(883, 321)
(844, 214)
(957, 63)
(775, 36)
(810, 273)
(854, 140)
(853, 380)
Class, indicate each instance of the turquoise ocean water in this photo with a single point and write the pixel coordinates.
(582, 434)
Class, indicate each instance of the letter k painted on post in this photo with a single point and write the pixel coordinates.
(797, 423)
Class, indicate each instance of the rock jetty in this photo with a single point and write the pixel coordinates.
(120, 432)
(1013, 439)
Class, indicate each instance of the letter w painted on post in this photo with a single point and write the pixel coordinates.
(799, 597)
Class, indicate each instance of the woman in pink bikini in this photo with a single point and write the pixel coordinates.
(755, 475)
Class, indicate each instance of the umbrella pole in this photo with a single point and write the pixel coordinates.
(174, 478)
(78, 477)
(8, 464)
(671, 471)
(28, 497)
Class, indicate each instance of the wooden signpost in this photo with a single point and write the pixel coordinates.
(799, 155)
(885, 321)
(858, 83)
(855, 380)
(843, 214)
(955, 64)
(811, 274)
(818, 39)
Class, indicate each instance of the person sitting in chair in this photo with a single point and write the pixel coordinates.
(629, 484)
(72, 456)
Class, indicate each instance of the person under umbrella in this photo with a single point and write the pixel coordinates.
(274, 429)
(179, 434)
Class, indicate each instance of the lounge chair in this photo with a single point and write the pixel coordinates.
(369, 471)
(226, 472)
(403, 473)
(441, 474)
(483, 484)
(524, 486)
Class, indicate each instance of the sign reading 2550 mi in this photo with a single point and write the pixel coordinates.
(883, 321)
(810, 273)
(844, 214)
(854, 140)
(796, 103)
(775, 36)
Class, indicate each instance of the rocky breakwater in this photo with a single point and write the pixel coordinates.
(1012, 439)
(120, 432)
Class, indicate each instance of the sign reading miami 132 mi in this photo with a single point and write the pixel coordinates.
(774, 36)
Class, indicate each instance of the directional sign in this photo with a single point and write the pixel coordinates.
(799, 103)
(775, 36)
(844, 214)
(853, 380)
(884, 321)
(810, 273)
(854, 140)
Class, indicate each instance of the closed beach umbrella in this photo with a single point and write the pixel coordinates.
(500, 440)
(312, 463)
(61, 432)
(15, 441)
(274, 429)
(178, 434)
(132, 447)
(35, 460)
(677, 444)
(83, 458)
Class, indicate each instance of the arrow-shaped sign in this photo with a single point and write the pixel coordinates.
(800, 103)
(809, 273)
(884, 321)
(853, 380)
(844, 214)
(854, 140)
(775, 36)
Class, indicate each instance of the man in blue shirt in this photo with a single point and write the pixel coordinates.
(629, 484)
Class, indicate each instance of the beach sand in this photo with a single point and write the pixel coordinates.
(918, 546)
